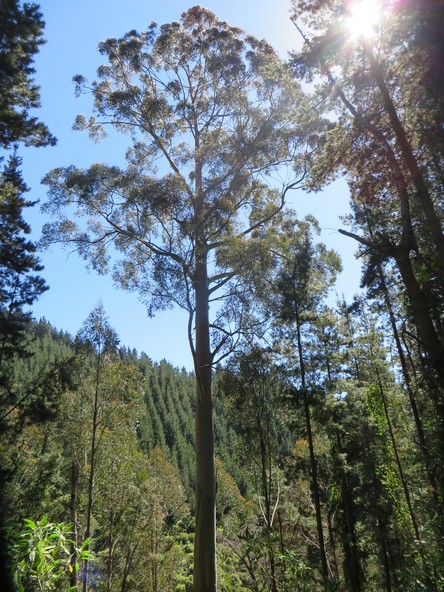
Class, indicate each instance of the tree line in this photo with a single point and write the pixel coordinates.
(328, 418)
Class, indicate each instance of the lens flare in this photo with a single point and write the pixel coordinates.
(363, 16)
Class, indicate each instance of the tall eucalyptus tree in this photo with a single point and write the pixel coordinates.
(210, 113)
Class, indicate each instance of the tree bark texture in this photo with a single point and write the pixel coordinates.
(352, 564)
(205, 534)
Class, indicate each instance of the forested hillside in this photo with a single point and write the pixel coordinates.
(167, 399)
(306, 450)
(377, 495)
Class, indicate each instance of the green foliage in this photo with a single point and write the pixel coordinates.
(375, 407)
(96, 334)
(41, 555)
(19, 284)
(22, 28)
(385, 139)
(135, 492)
(146, 490)
(296, 570)
(184, 575)
(218, 113)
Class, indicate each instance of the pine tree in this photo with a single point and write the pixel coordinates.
(20, 38)
(19, 283)
(304, 273)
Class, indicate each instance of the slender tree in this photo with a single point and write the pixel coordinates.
(254, 396)
(97, 335)
(20, 39)
(300, 279)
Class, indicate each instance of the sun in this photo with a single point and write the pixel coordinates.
(363, 16)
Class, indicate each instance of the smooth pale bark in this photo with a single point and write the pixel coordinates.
(335, 562)
(204, 577)
(268, 510)
(74, 577)
(200, 98)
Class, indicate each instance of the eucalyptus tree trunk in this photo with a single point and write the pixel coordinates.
(266, 476)
(74, 577)
(204, 579)
(199, 96)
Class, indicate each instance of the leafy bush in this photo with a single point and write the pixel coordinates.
(42, 555)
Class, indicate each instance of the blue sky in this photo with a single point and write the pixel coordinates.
(73, 30)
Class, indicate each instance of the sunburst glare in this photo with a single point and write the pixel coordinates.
(363, 16)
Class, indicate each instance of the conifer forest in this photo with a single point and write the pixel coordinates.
(305, 451)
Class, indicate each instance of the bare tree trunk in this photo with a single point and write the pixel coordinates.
(431, 341)
(331, 534)
(315, 488)
(429, 338)
(110, 559)
(74, 576)
(204, 577)
(352, 564)
(266, 475)
(385, 558)
(402, 476)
